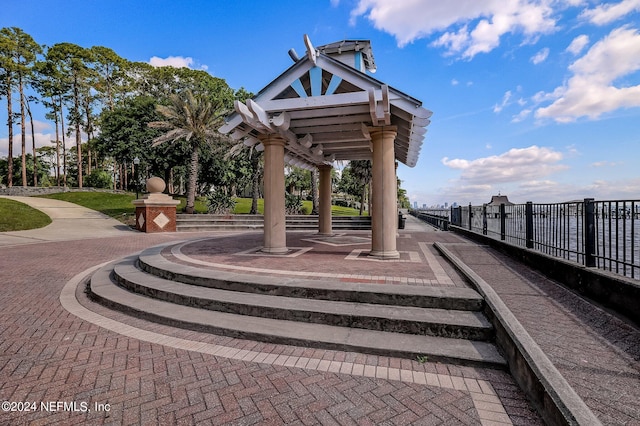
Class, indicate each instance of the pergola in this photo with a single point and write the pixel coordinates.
(326, 108)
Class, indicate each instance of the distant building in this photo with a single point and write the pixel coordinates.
(496, 200)
(424, 206)
(415, 204)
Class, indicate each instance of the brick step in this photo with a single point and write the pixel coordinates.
(207, 222)
(154, 263)
(442, 349)
(392, 318)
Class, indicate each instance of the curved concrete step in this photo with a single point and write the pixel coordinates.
(212, 227)
(207, 222)
(399, 319)
(452, 298)
(441, 349)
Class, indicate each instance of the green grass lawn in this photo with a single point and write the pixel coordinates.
(119, 205)
(346, 211)
(15, 216)
(243, 206)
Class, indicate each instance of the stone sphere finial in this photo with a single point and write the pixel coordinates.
(155, 185)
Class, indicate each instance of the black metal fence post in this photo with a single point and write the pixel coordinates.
(470, 216)
(503, 222)
(484, 219)
(528, 224)
(589, 222)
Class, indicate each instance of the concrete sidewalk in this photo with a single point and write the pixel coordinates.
(597, 353)
(69, 222)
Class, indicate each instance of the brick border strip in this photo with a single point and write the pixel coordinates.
(553, 397)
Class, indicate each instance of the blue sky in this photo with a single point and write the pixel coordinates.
(535, 99)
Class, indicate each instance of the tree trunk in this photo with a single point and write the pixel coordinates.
(57, 150)
(362, 198)
(64, 145)
(170, 186)
(33, 145)
(193, 179)
(255, 187)
(76, 103)
(23, 136)
(10, 126)
(89, 134)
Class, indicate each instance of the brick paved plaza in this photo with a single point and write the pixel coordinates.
(48, 354)
(146, 373)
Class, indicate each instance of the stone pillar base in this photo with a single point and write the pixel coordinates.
(274, 250)
(385, 255)
(326, 234)
(156, 213)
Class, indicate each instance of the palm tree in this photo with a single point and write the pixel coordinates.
(361, 170)
(239, 150)
(195, 119)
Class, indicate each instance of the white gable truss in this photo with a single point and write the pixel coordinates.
(324, 109)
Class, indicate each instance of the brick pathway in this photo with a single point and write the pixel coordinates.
(50, 356)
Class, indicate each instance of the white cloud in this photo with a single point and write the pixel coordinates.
(521, 116)
(470, 26)
(505, 101)
(541, 56)
(41, 138)
(606, 13)
(578, 44)
(171, 61)
(515, 165)
(176, 62)
(606, 164)
(454, 82)
(613, 190)
(591, 91)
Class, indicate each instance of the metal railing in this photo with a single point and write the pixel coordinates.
(601, 234)
(436, 218)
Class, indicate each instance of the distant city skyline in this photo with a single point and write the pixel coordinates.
(536, 99)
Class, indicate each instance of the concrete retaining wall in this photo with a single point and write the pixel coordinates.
(30, 191)
(620, 294)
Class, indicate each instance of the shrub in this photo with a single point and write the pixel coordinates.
(99, 179)
(293, 204)
(219, 202)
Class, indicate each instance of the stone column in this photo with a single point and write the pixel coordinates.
(384, 216)
(275, 230)
(324, 213)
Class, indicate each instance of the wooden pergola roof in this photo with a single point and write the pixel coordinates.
(323, 107)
